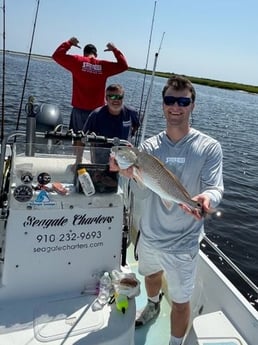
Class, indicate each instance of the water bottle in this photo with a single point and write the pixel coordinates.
(105, 285)
(121, 302)
(86, 182)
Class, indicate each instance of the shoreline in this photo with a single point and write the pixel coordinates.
(196, 80)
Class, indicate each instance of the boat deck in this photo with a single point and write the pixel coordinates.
(158, 331)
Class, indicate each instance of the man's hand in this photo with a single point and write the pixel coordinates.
(110, 47)
(203, 200)
(74, 42)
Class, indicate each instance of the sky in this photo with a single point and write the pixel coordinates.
(202, 38)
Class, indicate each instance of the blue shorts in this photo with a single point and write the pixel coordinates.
(179, 269)
(78, 119)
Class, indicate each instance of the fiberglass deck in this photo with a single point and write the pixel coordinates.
(158, 331)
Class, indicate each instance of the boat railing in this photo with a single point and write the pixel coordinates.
(235, 268)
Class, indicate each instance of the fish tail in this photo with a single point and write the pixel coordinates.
(207, 214)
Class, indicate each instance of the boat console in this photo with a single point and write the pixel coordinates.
(55, 244)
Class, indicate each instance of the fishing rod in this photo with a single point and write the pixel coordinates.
(3, 76)
(147, 57)
(28, 63)
(143, 118)
(148, 100)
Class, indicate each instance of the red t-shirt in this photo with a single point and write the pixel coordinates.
(89, 75)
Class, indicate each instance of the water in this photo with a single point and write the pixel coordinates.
(229, 116)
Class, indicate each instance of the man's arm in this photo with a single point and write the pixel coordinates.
(212, 175)
(212, 187)
(116, 67)
(60, 55)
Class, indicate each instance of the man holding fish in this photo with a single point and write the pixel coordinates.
(182, 170)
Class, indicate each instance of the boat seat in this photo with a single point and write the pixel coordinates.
(216, 329)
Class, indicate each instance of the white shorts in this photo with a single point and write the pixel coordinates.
(179, 269)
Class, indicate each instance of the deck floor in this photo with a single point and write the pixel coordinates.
(158, 331)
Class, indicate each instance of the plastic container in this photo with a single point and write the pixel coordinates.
(104, 181)
(105, 285)
(121, 302)
(116, 276)
(121, 297)
(86, 182)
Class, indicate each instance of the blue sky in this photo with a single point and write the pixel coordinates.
(214, 39)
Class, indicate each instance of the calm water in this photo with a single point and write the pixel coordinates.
(229, 116)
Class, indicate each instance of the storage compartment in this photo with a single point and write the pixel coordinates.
(215, 329)
(104, 181)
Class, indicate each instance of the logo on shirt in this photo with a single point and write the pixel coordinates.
(178, 160)
(127, 123)
(90, 68)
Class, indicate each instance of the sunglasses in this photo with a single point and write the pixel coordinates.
(181, 101)
(115, 97)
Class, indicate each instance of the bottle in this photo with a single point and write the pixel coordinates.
(86, 182)
(105, 285)
(116, 276)
(121, 297)
(121, 302)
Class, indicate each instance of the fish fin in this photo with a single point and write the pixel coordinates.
(167, 203)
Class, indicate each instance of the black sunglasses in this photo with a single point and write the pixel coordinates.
(115, 97)
(181, 101)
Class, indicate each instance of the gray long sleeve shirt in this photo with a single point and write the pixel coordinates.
(197, 161)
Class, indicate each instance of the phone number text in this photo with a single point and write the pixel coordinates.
(67, 237)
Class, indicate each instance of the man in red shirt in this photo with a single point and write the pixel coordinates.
(89, 78)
